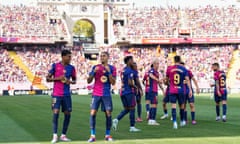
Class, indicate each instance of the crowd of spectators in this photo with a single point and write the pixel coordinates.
(207, 21)
(39, 60)
(9, 72)
(27, 21)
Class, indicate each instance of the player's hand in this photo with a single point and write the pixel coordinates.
(219, 93)
(61, 78)
(190, 94)
(141, 92)
(198, 90)
(68, 82)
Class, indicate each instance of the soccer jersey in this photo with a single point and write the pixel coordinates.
(220, 76)
(190, 74)
(146, 79)
(176, 75)
(135, 77)
(60, 88)
(153, 84)
(102, 85)
(127, 74)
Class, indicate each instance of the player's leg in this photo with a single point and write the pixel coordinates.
(96, 100)
(224, 107)
(66, 109)
(217, 101)
(147, 99)
(164, 105)
(173, 100)
(56, 103)
(153, 109)
(192, 107)
(107, 108)
(182, 104)
(139, 108)
(122, 113)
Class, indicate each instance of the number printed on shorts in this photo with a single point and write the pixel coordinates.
(176, 78)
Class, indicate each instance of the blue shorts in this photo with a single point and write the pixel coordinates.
(188, 99)
(105, 101)
(219, 99)
(147, 96)
(65, 102)
(166, 98)
(153, 97)
(128, 100)
(177, 97)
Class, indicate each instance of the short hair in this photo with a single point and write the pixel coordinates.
(65, 52)
(127, 58)
(151, 65)
(216, 64)
(182, 63)
(106, 53)
(177, 59)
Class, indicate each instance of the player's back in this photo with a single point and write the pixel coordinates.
(221, 77)
(126, 74)
(176, 75)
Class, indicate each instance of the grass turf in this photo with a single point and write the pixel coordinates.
(27, 119)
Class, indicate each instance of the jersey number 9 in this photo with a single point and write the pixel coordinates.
(176, 79)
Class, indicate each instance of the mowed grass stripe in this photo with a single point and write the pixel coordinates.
(10, 130)
(34, 115)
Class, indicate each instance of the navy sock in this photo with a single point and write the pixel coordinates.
(218, 110)
(93, 124)
(139, 110)
(132, 117)
(154, 113)
(174, 114)
(122, 114)
(182, 114)
(66, 123)
(147, 107)
(151, 113)
(165, 111)
(185, 115)
(108, 124)
(224, 107)
(55, 123)
(193, 116)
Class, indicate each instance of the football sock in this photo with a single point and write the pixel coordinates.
(66, 123)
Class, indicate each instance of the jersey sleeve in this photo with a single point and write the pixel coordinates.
(168, 72)
(190, 74)
(74, 74)
(92, 73)
(216, 77)
(130, 75)
(52, 70)
(114, 71)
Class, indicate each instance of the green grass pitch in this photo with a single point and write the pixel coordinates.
(27, 119)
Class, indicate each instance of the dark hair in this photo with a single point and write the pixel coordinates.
(65, 52)
(215, 64)
(182, 63)
(106, 53)
(177, 59)
(151, 65)
(127, 58)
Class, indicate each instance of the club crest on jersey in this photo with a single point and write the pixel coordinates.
(103, 79)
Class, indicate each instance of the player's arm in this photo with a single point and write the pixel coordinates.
(50, 77)
(138, 84)
(189, 85)
(111, 74)
(74, 77)
(91, 75)
(196, 85)
(161, 87)
(154, 78)
(218, 88)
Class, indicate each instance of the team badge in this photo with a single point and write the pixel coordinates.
(103, 79)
